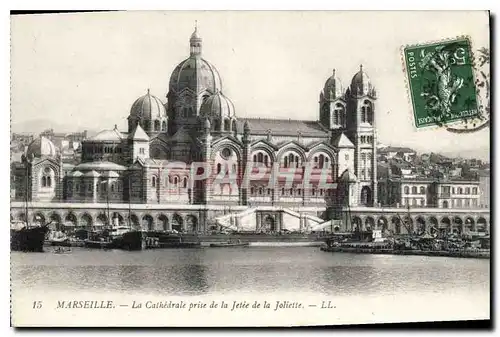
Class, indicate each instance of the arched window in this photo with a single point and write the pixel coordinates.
(286, 162)
(291, 191)
(282, 191)
(367, 112)
(157, 125)
(219, 168)
(254, 158)
(47, 177)
(226, 125)
(414, 190)
(176, 181)
(164, 126)
(185, 182)
(260, 157)
(260, 190)
(184, 112)
(216, 125)
(474, 190)
(153, 181)
(459, 190)
(233, 126)
(266, 160)
(407, 190)
(339, 115)
(467, 190)
(422, 190)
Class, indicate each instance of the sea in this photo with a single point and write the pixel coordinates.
(313, 287)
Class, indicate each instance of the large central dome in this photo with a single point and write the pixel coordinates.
(195, 73)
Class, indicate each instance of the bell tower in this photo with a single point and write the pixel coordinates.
(361, 98)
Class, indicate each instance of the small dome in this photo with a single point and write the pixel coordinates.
(148, 107)
(333, 88)
(41, 147)
(217, 106)
(348, 176)
(361, 84)
(195, 35)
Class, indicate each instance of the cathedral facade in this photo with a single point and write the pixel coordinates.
(157, 158)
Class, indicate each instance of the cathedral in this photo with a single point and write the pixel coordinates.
(152, 161)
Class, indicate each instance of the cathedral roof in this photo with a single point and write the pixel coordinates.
(41, 147)
(110, 174)
(342, 141)
(139, 134)
(107, 135)
(76, 174)
(148, 107)
(217, 106)
(100, 166)
(282, 127)
(197, 74)
(92, 174)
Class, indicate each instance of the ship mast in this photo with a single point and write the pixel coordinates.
(26, 194)
(129, 212)
(110, 223)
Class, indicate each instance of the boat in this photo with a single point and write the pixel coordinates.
(61, 250)
(158, 239)
(26, 236)
(124, 237)
(100, 244)
(58, 239)
(229, 244)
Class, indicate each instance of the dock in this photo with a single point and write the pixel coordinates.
(478, 254)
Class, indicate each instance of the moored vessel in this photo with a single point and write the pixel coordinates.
(27, 238)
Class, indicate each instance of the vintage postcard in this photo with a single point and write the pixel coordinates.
(249, 169)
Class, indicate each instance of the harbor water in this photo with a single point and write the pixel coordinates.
(457, 288)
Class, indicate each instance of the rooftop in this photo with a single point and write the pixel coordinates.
(283, 127)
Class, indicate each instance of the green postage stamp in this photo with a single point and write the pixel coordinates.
(441, 82)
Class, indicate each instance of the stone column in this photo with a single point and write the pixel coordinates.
(245, 168)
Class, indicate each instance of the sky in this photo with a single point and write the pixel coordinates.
(84, 71)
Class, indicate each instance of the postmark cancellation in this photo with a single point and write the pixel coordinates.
(444, 87)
